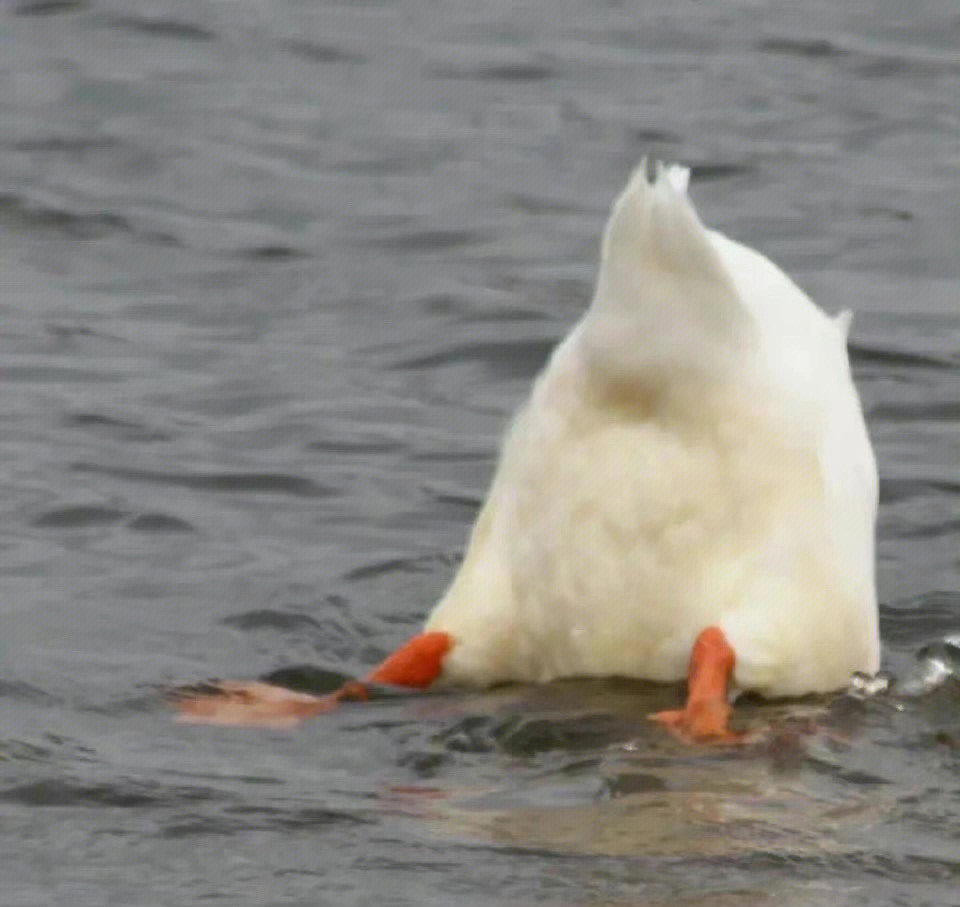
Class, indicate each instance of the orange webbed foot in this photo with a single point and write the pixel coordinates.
(705, 722)
(251, 703)
(415, 664)
(705, 715)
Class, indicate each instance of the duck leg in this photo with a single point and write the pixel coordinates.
(704, 717)
(417, 663)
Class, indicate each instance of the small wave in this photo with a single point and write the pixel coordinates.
(528, 203)
(846, 775)
(422, 564)
(444, 455)
(160, 28)
(628, 784)
(275, 252)
(123, 429)
(73, 146)
(34, 374)
(266, 619)
(919, 619)
(159, 522)
(863, 354)
(15, 689)
(506, 358)
(428, 240)
(373, 445)
(506, 71)
(235, 820)
(248, 482)
(301, 817)
(903, 529)
(885, 212)
(526, 736)
(322, 53)
(892, 490)
(61, 792)
(651, 135)
(47, 7)
(456, 498)
(20, 212)
(717, 171)
(79, 516)
(920, 411)
(801, 47)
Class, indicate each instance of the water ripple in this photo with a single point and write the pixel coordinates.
(63, 792)
(159, 28)
(505, 358)
(719, 170)
(125, 430)
(19, 212)
(336, 240)
(78, 517)
(266, 619)
(428, 240)
(322, 53)
(893, 490)
(862, 354)
(420, 564)
(803, 47)
(510, 71)
(159, 522)
(47, 7)
(75, 146)
(916, 620)
(247, 482)
(919, 411)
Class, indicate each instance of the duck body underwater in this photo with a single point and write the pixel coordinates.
(688, 491)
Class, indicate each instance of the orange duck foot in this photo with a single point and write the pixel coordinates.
(704, 717)
(416, 664)
(251, 703)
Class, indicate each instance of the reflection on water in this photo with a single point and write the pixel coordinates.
(272, 279)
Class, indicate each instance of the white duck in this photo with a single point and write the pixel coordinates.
(689, 490)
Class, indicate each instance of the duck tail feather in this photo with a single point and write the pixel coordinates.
(843, 321)
(664, 300)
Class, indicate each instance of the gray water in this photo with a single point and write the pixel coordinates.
(273, 275)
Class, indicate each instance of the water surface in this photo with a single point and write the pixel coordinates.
(273, 276)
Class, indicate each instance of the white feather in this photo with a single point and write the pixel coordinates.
(693, 454)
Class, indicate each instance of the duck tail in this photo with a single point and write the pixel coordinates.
(664, 300)
(843, 321)
(652, 218)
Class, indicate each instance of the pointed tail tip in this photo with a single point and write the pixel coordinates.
(678, 177)
(675, 176)
(843, 321)
(654, 216)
